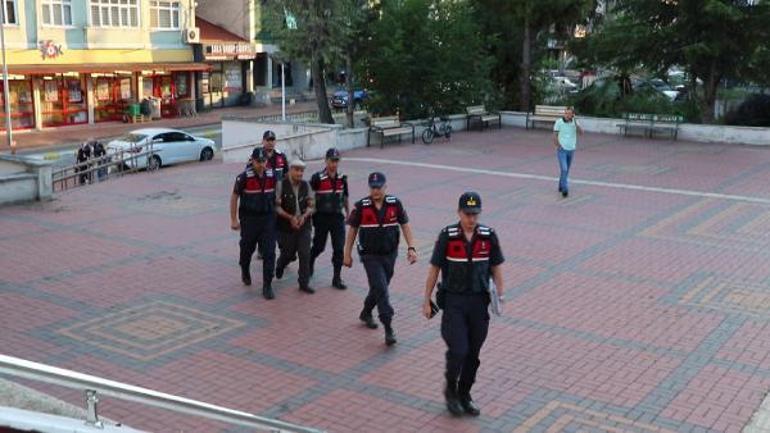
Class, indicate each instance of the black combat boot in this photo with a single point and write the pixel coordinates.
(452, 401)
(245, 276)
(267, 291)
(466, 401)
(337, 282)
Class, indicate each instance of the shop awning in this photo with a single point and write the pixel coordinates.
(211, 32)
(105, 68)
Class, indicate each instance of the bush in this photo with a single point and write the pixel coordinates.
(754, 111)
(604, 99)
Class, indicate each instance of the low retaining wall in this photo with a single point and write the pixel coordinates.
(687, 131)
(24, 179)
(298, 140)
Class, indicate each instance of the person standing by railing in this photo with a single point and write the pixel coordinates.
(82, 156)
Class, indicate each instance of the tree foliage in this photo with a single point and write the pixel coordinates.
(427, 56)
(712, 39)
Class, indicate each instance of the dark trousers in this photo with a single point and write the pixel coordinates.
(379, 271)
(296, 243)
(259, 231)
(329, 224)
(464, 327)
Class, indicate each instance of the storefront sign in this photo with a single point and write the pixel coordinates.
(49, 50)
(234, 50)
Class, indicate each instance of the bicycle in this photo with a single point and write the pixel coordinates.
(434, 130)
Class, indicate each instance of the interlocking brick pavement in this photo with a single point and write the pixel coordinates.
(640, 304)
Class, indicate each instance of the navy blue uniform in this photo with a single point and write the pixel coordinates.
(378, 238)
(329, 219)
(257, 216)
(463, 296)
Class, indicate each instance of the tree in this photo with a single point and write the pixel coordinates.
(522, 29)
(427, 57)
(309, 38)
(712, 39)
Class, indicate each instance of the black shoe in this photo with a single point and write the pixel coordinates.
(279, 272)
(469, 406)
(390, 337)
(306, 289)
(565, 194)
(245, 277)
(453, 404)
(267, 292)
(368, 320)
(337, 283)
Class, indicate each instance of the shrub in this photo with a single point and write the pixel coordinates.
(754, 111)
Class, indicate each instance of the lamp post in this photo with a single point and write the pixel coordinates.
(6, 93)
(283, 91)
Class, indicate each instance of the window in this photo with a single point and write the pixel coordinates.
(57, 12)
(115, 13)
(9, 9)
(164, 14)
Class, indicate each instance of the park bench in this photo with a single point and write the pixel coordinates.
(666, 123)
(389, 126)
(484, 117)
(636, 122)
(545, 113)
(651, 124)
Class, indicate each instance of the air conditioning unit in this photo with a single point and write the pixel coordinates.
(192, 35)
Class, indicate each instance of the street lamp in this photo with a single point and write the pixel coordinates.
(278, 57)
(6, 93)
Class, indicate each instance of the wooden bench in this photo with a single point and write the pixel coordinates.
(666, 123)
(636, 121)
(389, 126)
(484, 117)
(545, 113)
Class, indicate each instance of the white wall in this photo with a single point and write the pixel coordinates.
(306, 141)
(687, 131)
(24, 179)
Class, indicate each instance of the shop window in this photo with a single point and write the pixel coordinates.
(10, 12)
(112, 94)
(115, 13)
(21, 105)
(57, 12)
(64, 101)
(182, 84)
(164, 14)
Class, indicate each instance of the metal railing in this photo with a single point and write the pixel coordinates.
(93, 386)
(101, 168)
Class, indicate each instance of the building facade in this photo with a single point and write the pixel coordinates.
(75, 62)
(262, 74)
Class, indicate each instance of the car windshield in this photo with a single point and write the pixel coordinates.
(133, 138)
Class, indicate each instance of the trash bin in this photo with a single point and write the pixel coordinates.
(134, 110)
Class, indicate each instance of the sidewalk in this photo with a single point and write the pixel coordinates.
(67, 136)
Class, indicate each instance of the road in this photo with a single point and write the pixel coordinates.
(65, 155)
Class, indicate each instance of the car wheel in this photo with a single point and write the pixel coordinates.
(154, 163)
(207, 154)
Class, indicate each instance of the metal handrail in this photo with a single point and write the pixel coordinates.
(92, 385)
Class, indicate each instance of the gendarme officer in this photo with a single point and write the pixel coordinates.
(467, 254)
(331, 200)
(375, 219)
(255, 189)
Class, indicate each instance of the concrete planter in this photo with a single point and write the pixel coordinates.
(24, 179)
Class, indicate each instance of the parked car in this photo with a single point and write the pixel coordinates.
(169, 146)
(564, 85)
(340, 98)
(657, 85)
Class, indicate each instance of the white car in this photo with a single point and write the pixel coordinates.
(169, 146)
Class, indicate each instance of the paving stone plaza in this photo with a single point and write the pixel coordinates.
(638, 304)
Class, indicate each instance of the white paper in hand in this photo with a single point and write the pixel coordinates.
(494, 299)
